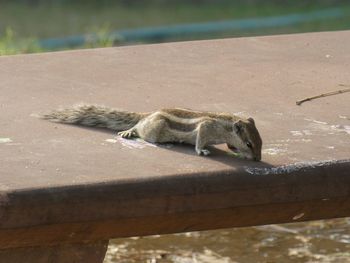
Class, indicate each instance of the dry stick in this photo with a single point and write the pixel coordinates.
(299, 102)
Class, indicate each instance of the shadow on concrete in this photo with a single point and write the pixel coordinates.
(217, 154)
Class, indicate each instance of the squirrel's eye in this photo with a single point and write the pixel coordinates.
(238, 128)
(249, 145)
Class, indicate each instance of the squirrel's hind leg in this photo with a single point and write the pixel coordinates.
(154, 131)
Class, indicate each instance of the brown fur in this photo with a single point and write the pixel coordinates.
(170, 125)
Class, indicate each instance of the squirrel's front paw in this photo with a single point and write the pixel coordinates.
(126, 134)
(204, 152)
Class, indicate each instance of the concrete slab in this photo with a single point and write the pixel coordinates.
(53, 174)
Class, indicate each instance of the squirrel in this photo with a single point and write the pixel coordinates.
(170, 125)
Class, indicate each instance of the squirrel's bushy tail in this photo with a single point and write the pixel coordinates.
(96, 116)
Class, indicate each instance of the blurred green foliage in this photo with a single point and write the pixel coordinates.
(175, 2)
(10, 44)
(99, 37)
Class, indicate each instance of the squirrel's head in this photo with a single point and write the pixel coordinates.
(246, 139)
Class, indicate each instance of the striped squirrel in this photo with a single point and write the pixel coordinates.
(170, 125)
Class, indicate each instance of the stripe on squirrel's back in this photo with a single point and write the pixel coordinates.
(191, 114)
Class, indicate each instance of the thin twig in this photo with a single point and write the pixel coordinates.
(299, 102)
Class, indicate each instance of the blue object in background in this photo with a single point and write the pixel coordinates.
(161, 33)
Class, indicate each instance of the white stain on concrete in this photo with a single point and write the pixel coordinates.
(286, 141)
(296, 133)
(35, 115)
(315, 121)
(295, 167)
(131, 144)
(307, 132)
(5, 140)
(111, 140)
(306, 140)
(322, 126)
(347, 129)
(301, 133)
(341, 128)
(274, 151)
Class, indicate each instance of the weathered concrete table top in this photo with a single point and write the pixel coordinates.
(86, 184)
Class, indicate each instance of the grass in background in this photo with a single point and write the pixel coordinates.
(37, 21)
(10, 44)
(102, 37)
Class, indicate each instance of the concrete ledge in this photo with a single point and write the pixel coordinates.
(178, 203)
(62, 184)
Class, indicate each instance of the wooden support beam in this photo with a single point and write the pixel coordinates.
(68, 253)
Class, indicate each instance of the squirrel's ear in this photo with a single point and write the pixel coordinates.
(237, 126)
(251, 120)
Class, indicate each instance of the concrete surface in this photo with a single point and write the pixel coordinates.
(83, 184)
